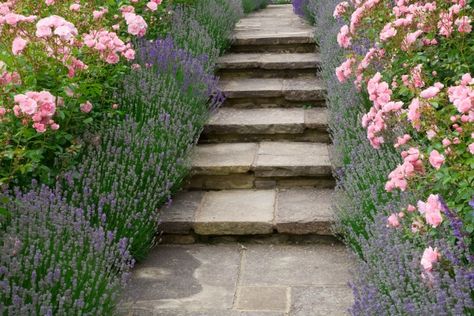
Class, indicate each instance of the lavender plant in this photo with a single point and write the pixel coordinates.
(361, 172)
(391, 281)
(133, 165)
(53, 262)
(252, 5)
(303, 9)
(204, 28)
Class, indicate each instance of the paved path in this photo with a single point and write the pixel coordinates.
(256, 213)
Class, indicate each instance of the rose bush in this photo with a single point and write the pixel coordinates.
(415, 66)
(60, 62)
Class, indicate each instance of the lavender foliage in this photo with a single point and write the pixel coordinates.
(387, 280)
(53, 262)
(204, 28)
(390, 280)
(303, 9)
(362, 170)
(252, 5)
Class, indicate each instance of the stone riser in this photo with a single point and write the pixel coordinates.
(211, 137)
(250, 181)
(280, 48)
(229, 74)
(276, 102)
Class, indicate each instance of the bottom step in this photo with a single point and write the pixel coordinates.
(250, 212)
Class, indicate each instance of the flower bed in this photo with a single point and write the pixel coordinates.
(68, 244)
(401, 117)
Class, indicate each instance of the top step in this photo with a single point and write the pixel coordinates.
(276, 29)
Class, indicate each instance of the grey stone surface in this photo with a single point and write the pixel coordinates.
(269, 61)
(236, 212)
(257, 121)
(207, 312)
(263, 298)
(178, 218)
(185, 277)
(278, 159)
(222, 182)
(273, 26)
(288, 265)
(304, 211)
(221, 159)
(320, 301)
(316, 118)
(295, 89)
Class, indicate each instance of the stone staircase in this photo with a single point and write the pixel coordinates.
(251, 234)
(262, 165)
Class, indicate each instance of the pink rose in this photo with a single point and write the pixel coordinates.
(343, 38)
(429, 257)
(86, 107)
(18, 45)
(436, 159)
(392, 221)
(431, 209)
(464, 24)
(153, 6)
(471, 148)
(75, 7)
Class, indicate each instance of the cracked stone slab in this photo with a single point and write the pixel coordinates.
(236, 212)
(304, 211)
(184, 277)
(321, 301)
(278, 159)
(178, 218)
(222, 159)
(289, 265)
(269, 61)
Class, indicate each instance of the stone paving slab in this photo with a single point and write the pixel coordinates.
(295, 89)
(185, 277)
(269, 61)
(236, 212)
(308, 265)
(275, 280)
(250, 212)
(265, 159)
(320, 301)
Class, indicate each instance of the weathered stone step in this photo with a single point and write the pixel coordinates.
(250, 212)
(270, 92)
(268, 65)
(239, 125)
(260, 165)
(273, 30)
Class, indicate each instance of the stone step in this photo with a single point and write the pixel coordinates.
(267, 124)
(260, 165)
(299, 211)
(275, 30)
(268, 65)
(271, 92)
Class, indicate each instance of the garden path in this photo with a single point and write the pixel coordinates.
(251, 234)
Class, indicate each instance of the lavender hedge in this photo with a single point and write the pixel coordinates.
(204, 28)
(252, 5)
(303, 9)
(388, 279)
(53, 261)
(68, 248)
